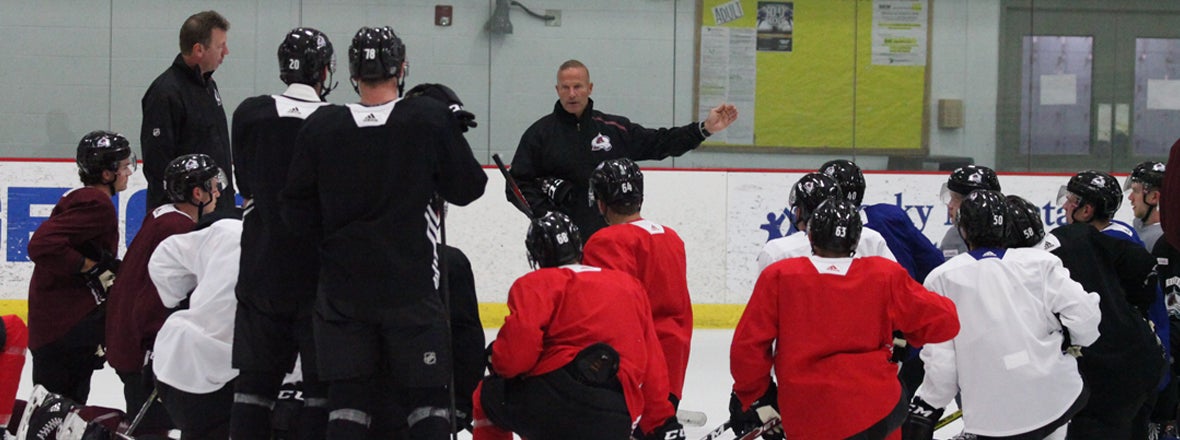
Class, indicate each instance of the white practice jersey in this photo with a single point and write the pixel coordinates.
(193, 349)
(871, 244)
(1007, 360)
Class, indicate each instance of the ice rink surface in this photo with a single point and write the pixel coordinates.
(706, 387)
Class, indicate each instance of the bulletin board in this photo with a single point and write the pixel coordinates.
(818, 75)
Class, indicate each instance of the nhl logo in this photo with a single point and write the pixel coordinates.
(600, 143)
(429, 358)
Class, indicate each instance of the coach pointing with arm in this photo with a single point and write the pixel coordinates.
(557, 154)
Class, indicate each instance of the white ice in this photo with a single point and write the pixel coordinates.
(706, 388)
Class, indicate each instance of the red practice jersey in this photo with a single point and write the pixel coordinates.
(134, 310)
(654, 254)
(83, 222)
(826, 326)
(554, 313)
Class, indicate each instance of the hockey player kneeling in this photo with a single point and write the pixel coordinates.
(1007, 362)
(50, 416)
(577, 357)
(824, 324)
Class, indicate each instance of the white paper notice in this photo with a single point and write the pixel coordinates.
(899, 32)
(1059, 89)
(1163, 94)
(728, 73)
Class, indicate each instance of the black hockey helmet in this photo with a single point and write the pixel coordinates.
(375, 53)
(835, 226)
(1026, 227)
(1149, 173)
(617, 182)
(553, 240)
(983, 219)
(191, 171)
(102, 150)
(1095, 188)
(809, 192)
(969, 178)
(303, 54)
(848, 176)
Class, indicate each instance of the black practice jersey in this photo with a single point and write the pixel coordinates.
(362, 179)
(275, 262)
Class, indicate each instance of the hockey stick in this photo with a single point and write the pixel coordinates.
(139, 415)
(691, 418)
(717, 432)
(440, 206)
(958, 414)
(519, 201)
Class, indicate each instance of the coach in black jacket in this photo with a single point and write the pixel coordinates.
(557, 154)
(182, 111)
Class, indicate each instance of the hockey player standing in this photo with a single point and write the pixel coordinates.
(806, 195)
(1123, 367)
(912, 250)
(361, 183)
(960, 183)
(825, 324)
(1007, 362)
(192, 183)
(192, 351)
(577, 357)
(1093, 197)
(650, 252)
(1144, 191)
(73, 254)
(277, 282)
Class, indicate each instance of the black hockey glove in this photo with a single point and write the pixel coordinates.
(100, 277)
(559, 191)
(447, 96)
(670, 430)
(919, 424)
(761, 411)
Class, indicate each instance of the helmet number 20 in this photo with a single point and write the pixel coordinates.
(293, 64)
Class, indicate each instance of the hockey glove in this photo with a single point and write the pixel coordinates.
(761, 411)
(447, 96)
(101, 276)
(919, 424)
(670, 430)
(559, 191)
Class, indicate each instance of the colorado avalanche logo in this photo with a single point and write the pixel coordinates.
(600, 143)
(1098, 181)
(975, 178)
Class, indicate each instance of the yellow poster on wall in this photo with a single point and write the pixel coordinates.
(811, 75)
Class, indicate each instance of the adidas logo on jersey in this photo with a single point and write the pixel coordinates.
(371, 118)
(294, 111)
(832, 268)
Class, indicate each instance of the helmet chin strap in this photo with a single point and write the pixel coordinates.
(1150, 206)
(325, 89)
